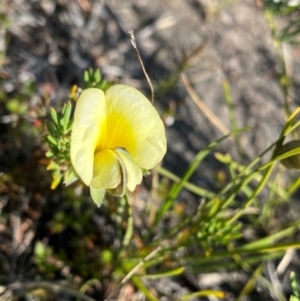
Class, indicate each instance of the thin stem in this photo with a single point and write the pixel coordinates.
(129, 229)
(133, 42)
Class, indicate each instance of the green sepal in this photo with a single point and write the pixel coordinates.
(98, 195)
(145, 172)
(70, 176)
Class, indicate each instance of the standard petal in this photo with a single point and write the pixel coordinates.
(134, 124)
(134, 174)
(89, 126)
(107, 172)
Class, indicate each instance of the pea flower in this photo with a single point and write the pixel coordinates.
(117, 136)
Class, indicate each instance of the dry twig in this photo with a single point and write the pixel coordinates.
(202, 106)
(133, 42)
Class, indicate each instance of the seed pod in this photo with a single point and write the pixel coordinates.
(292, 162)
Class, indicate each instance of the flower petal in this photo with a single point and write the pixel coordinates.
(120, 190)
(88, 127)
(134, 124)
(107, 171)
(133, 172)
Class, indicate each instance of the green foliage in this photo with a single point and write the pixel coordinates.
(43, 256)
(93, 79)
(16, 106)
(289, 14)
(295, 287)
(290, 33)
(281, 7)
(59, 143)
(218, 232)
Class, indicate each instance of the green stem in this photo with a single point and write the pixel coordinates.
(129, 229)
(189, 186)
(138, 283)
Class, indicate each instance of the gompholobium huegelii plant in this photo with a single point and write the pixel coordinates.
(117, 136)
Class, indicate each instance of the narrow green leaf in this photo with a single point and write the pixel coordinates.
(66, 116)
(138, 283)
(214, 209)
(287, 154)
(52, 129)
(187, 185)
(54, 116)
(63, 110)
(203, 293)
(177, 187)
(268, 168)
(226, 261)
(290, 123)
(223, 158)
(269, 240)
(69, 127)
(86, 76)
(97, 76)
(52, 140)
(171, 273)
(292, 128)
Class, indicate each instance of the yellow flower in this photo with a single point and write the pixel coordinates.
(116, 137)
